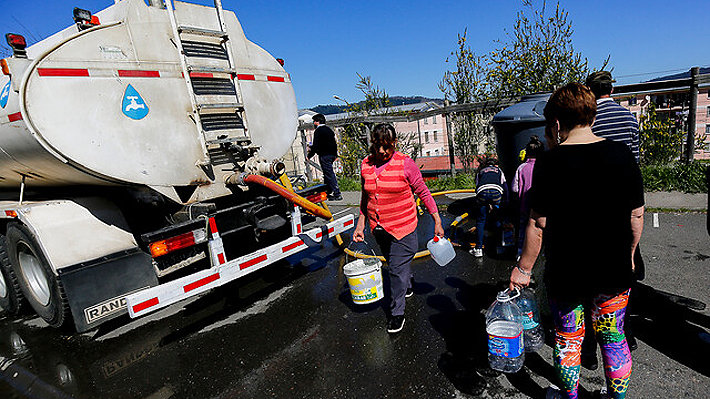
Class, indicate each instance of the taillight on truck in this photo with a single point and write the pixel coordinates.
(18, 44)
(186, 240)
(318, 197)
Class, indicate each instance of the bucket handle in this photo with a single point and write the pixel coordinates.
(366, 244)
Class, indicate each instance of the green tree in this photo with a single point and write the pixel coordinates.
(660, 138)
(353, 144)
(468, 83)
(536, 56)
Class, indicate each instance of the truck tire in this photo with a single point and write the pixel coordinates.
(11, 299)
(42, 289)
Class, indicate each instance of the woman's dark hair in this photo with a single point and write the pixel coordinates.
(572, 105)
(383, 135)
(534, 148)
(486, 161)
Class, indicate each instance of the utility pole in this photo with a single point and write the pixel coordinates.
(690, 139)
(449, 137)
(419, 136)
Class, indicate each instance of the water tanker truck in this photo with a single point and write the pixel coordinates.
(138, 153)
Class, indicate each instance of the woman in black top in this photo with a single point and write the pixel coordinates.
(588, 204)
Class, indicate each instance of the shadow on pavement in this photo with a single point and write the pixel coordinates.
(668, 323)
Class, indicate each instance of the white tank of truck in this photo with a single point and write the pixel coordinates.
(110, 103)
(135, 148)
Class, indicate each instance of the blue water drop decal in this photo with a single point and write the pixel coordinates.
(5, 94)
(133, 105)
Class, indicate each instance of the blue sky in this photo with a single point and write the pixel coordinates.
(403, 46)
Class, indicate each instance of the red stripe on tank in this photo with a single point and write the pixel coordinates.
(62, 72)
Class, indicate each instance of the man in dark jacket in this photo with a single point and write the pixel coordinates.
(325, 146)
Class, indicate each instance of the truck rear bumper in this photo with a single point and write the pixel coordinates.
(152, 299)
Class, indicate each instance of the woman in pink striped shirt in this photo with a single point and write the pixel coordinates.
(387, 203)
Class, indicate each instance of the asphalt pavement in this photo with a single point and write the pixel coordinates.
(293, 331)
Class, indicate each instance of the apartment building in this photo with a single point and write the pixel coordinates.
(671, 95)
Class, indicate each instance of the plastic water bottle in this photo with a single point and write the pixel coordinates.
(533, 335)
(505, 334)
(441, 250)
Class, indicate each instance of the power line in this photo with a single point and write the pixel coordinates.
(658, 72)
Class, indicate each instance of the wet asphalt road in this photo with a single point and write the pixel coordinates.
(292, 331)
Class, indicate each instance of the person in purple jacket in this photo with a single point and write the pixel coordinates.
(522, 183)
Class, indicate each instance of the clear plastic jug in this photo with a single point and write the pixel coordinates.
(506, 350)
(441, 250)
(533, 335)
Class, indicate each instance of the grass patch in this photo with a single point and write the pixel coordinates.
(675, 210)
(688, 178)
(458, 182)
(348, 183)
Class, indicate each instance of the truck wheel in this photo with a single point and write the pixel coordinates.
(40, 286)
(11, 299)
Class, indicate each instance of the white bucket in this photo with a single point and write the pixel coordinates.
(365, 280)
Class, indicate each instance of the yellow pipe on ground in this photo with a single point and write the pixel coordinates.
(419, 254)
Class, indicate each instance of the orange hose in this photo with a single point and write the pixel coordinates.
(289, 195)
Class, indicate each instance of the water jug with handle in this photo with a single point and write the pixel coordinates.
(441, 250)
(506, 350)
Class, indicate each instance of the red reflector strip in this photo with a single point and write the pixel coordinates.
(213, 226)
(128, 73)
(220, 258)
(201, 75)
(275, 79)
(245, 77)
(291, 246)
(11, 214)
(348, 223)
(252, 262)
(15, 117)
(320, 234)
(145, 305)
(62, 72)
(199, 283)
(298, 229)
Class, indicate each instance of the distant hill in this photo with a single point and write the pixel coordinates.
(394, 101)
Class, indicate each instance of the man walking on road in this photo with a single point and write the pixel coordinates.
(616, 123)
(324, 145)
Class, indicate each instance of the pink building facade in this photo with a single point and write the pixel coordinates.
(429, 133)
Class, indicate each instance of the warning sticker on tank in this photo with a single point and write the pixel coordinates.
(133, 105)
(4, 94)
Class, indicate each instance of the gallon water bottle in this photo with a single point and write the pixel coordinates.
(441, 250)
(533, 335)
(505, 334)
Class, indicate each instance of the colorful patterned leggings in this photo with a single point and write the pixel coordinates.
(608, 319)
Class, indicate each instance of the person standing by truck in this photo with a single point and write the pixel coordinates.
(387, 203)
(327, 149)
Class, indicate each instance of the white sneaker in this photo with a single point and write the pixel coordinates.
(477, 252)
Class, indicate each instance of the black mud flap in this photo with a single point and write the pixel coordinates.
(96, 289)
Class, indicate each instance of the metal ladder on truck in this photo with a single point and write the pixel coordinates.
(219, 123)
